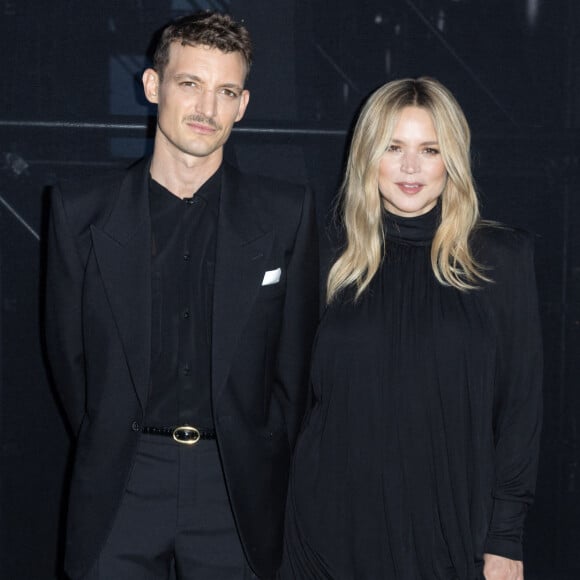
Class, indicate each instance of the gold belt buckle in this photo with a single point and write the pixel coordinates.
(186, 435)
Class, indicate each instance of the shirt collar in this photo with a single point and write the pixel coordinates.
(209, 192)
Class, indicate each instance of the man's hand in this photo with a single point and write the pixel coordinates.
(500, 568)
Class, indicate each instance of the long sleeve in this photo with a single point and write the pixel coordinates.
(300, 319)
(517, 397)
(63, 313)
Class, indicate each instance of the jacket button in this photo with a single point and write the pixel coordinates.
(135, 426)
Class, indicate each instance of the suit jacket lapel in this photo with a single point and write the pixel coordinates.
(243, 246)
(123, 251)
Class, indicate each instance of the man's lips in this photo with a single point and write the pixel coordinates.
(201, 127)
(410, 188)
(201, 124)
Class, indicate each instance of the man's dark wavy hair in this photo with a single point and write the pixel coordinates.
(212, 29)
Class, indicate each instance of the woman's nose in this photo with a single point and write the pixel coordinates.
(410, 163)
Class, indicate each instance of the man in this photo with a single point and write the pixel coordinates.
(182, 303)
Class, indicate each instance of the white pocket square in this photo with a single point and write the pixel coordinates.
(272, 277)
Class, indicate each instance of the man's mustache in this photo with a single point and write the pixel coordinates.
(203, 120)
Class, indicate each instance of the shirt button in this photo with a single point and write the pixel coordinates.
(135, 426)
(186, 371)
(186, 256)
(186, 314)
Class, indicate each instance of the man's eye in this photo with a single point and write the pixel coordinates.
(229, 93)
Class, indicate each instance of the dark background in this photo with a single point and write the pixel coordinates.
(70, 102)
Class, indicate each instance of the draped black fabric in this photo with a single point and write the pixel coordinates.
(419, 453)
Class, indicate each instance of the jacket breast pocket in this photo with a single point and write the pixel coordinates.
(273, 283)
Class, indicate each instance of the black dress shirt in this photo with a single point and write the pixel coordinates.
(183, 257)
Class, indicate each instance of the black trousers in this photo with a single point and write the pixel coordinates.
(175, 520)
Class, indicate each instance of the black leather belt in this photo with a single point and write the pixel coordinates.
(185, 434)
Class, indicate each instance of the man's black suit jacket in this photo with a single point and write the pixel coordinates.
(99, 336)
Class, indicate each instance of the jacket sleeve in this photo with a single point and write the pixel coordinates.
(517, 398)
(299, 321)
(64, 339)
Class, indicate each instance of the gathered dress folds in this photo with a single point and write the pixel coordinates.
(419, 452)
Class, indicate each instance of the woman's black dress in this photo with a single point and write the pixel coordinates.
(419, 452)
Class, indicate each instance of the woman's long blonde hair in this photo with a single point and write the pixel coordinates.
(361, 204)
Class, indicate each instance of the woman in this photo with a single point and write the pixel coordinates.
(417, 459)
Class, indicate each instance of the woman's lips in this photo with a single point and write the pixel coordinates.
(410, 188)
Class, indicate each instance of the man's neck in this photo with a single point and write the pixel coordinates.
(183, 175)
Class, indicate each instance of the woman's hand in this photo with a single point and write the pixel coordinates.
(500, 568)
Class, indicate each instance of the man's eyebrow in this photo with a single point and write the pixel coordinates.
(179, 76)
(192, 77)
(232, 86)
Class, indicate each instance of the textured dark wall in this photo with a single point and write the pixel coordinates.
(71, 103)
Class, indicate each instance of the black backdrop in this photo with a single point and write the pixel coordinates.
(70, 103)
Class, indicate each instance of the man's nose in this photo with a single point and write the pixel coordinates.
(207, 103)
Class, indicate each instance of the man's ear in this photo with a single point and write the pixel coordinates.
(244, 99)
(151, 85)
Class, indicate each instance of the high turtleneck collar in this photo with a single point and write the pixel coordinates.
(417, 230)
